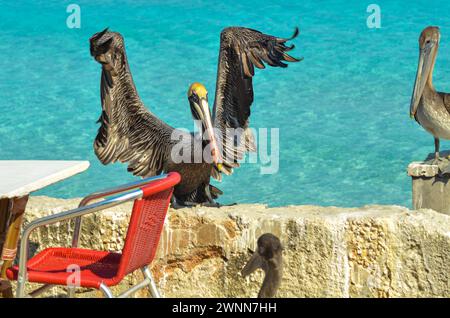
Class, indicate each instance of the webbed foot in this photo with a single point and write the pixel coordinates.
(445, 169)
(434, 161)
(443, 164)
(175, 204)
(215, 204)
(211, 204)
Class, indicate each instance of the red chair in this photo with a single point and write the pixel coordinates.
(77, 267)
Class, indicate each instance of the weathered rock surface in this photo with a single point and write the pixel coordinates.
(430, 186)
(373, 251)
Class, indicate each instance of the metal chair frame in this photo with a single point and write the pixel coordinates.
(85, 208)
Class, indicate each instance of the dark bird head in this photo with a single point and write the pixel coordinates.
(267, 255)
(428, 48)
(107, 48)
(198, 100)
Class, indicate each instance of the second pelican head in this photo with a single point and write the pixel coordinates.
(428, 48)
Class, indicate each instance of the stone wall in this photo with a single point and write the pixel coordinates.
(373, 251)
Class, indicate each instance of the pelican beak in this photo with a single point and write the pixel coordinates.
(204, 114)
(255, 262)
(426, 59)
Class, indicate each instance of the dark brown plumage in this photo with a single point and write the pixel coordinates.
(241, 50)
(269, 257)
(130, 133)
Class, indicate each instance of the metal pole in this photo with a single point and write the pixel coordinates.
(153, 289)
(135, 288)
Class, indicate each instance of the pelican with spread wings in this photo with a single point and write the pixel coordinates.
(130, 133)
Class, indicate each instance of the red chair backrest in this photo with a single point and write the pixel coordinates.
(146, 224)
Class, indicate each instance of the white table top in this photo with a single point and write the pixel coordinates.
(21, 177)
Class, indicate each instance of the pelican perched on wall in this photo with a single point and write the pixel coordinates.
(130, 133)
(269, 257)
(431, 109)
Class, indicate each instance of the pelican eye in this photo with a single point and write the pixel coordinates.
(194, 98)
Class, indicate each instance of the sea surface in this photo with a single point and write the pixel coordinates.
(345, 136)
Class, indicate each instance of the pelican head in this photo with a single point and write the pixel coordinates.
(107, 48)
(198, 100)
(268, 256)
(428, 48)
(269, 249)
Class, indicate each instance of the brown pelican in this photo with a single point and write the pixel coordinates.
(431, 109)
(268, 256)
(129, 132)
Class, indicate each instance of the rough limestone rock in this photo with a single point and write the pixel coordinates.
(373, 251)
(430, 186)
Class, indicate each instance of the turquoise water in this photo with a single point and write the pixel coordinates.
(345, 134)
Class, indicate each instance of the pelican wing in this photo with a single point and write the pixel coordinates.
(129, 132)
(446, 100)
(241, 50)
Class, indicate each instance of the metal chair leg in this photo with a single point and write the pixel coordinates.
(153, 289)
(70, 292)
(106, 291)
(40, 290)
(20, 291)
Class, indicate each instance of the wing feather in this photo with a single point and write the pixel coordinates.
(241, 50)
(128, 131)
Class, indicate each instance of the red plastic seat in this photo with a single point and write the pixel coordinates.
(56, 265)
(52, 266)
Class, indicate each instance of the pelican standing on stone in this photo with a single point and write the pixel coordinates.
(130, 133)
(268, 257)
(431, 109)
